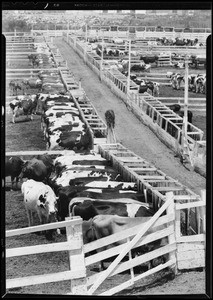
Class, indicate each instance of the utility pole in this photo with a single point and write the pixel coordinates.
(68, 27)
(129, 67)
(185, 118)
(102, 56)
(86, 33)
(85, 47)
(184, 142)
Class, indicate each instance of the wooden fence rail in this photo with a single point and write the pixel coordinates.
(73, 245)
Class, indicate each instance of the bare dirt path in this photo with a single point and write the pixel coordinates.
(129, 130)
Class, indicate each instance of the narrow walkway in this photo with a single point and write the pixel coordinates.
(128, 129)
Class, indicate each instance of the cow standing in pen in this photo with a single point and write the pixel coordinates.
(23, 106)
(13, 167)
(39, 198)
(110, 120)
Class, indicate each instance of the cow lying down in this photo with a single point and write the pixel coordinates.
(102, 226)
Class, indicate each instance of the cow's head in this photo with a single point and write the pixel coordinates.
(48, 204)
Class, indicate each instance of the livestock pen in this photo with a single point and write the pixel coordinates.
(184, 222)
(134, 102)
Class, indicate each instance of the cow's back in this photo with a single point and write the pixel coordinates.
(36, 170)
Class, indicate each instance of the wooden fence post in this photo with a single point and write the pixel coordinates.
(76, 258)
(203, 212)
(171, 238)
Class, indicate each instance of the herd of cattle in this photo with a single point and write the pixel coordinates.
(80, 184)
(120, 53)
(196, 82)
(46, 81)
(61, 121)
(177, 60)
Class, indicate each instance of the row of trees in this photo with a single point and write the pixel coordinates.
(9, 25)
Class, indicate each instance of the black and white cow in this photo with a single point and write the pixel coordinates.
(23, 105)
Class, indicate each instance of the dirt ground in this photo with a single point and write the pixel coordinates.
(133, 135)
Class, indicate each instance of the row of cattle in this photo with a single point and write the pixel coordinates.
(82, 185)
(178, 42)
(194, 60)
(45, 81)
(146, 61)
(145, 85)
(196, 82)
(61, 121)
(41, 60)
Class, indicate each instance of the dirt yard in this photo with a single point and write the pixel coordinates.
(133, 135)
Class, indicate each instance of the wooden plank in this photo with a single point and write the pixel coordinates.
(179, 98)
(144, 177)
(130, 159)
(130, 245)
(136, 278)
(39, 152)
(195, 132)
(191, 238)
(40, 279)
(28, 70)
(186, 197)
(182, 247)
(26, 230)
(144, 169)
(171, 238)
(56, 247)
(190, 205)
(168, 188)
(191, 263)
(76, 258)
(162, 181)
(177, 224)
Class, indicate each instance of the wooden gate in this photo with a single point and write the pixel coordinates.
(135, 237)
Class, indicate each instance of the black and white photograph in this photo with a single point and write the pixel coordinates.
(104, 132)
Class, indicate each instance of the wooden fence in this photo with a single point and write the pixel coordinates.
(95, 125)
(166, 124)
(147, 35)
(180, 252)
(194, 104)
(73, 245)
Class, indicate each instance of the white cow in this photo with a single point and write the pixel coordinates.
(41, 199)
